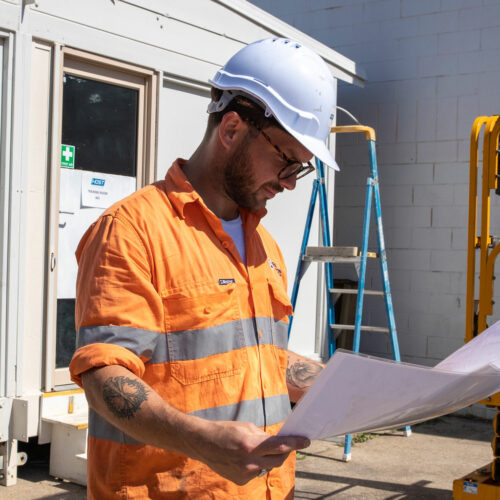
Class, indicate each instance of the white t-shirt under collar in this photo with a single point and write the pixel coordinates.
(234, 228)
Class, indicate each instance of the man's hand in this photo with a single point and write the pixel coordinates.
(239, 451)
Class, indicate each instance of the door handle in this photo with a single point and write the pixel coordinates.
(52, 261)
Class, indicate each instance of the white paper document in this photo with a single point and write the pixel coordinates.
(102, 190)
(70, 189)
(357, 393)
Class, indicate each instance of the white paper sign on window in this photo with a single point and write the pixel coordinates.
(102, 190)
(70, 190)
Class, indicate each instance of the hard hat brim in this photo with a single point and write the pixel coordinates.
(315, 146)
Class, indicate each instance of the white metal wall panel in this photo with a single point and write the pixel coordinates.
(128, 22)
(36, 219)
(182, 123)
(6, 70)
(3, 194)
(16, 306)
(102, 42)
(9, 15)
(207, 15)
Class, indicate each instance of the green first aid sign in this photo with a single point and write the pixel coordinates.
(67, 156)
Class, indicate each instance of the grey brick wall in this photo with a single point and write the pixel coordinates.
(432, 66)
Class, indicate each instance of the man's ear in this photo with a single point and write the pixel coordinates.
(231, 129)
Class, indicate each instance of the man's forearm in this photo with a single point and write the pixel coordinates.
(301, 373)
(235, 450)
(128, 403)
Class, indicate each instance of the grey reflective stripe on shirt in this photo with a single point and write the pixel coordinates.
(267, 411)
(140, 342)
(188, 344)
(279, 332)
(262, 411)
(100, 428)
(198, 344)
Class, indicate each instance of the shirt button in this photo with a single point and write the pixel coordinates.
(207, 310)
(225, 244)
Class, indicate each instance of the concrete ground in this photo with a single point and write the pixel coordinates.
(384, 465)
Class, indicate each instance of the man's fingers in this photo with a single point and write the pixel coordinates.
(271, 461)
(279, 445)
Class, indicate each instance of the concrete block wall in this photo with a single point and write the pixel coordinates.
(432, 66)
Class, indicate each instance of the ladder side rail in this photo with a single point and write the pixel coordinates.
(362, 267)
(383, 255)
(305, 240)
(385, 277)
(328, 265)
(383, 262)
(361, 287)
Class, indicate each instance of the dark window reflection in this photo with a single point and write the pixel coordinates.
(65, 335)
(100, 120)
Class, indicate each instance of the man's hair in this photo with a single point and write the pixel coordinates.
(248, 110)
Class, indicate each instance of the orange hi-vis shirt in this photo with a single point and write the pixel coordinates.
(162, 291)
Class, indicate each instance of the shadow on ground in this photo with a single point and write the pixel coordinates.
(419, 490)
(36, 471)
(458, 427)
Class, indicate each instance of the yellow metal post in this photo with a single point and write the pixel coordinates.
(472, 239)
(491, 131)
(492, 134)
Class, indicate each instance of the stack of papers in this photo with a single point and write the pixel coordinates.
(357, 393)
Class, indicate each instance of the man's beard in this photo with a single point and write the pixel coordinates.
(239, 179)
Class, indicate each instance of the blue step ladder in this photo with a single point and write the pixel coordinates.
(330, 254)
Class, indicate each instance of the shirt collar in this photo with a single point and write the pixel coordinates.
(178, 188)
(180, 192)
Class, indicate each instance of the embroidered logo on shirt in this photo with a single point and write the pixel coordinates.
(226, 281)
(274, 266)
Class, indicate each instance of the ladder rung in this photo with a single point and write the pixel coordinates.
(335, 254)
(332, 251)
(379, 329)
(339, 260)
(326, 258)
(354, 291)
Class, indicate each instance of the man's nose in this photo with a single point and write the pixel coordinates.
(289, 182)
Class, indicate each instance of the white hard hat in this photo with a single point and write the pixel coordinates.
(292, 82)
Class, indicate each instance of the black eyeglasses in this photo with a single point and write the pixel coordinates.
(292, 167)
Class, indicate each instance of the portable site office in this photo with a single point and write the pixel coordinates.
(139, 70)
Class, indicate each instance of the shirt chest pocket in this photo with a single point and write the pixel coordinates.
(281, 306)
(205, 339)
(280, 310)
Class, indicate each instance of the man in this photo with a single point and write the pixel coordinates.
(182, 309)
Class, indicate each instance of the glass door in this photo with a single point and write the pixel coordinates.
(102, 159)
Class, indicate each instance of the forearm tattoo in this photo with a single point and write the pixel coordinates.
(124, 396)
(302, 374)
